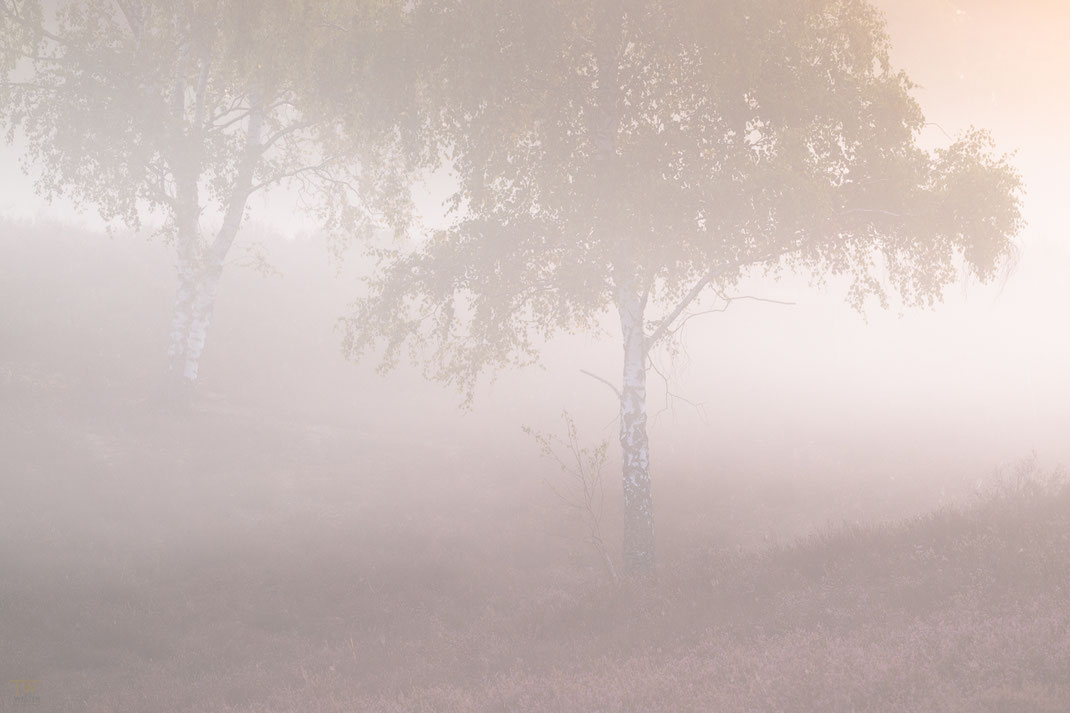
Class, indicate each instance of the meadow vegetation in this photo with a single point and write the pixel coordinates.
(242, 555)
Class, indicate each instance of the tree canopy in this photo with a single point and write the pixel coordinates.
(183, 110)
(627, 156)
(745, 133)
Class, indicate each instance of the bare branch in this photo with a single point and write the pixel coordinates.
(281, 133)
(245, 111)
(604, 381)
(727, 303)
(233, 106)
(720, 271)
(671, 396)
(688, 318)
(586, 470)
(317, 169)
(942, 130)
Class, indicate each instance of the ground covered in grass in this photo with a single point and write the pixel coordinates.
(216, 559)
(306, 537)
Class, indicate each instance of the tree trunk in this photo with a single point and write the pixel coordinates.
(182, 318)
(201, 315)
(194, 303)
(635, 448)
(199, 278)
(638, 552)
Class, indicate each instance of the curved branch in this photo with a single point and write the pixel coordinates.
(665, 324)
(596, 377)
(671, 396)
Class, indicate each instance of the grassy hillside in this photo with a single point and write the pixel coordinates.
(165, 581)
(263, 556)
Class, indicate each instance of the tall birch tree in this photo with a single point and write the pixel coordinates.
(635, 156)
(180, 111)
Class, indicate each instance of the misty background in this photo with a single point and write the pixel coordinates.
(948, 394)
(312, 522)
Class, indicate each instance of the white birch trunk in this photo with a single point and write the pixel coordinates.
(201, 316)
(200, 268)
(182, 318)
(194, 303)
(635, 448)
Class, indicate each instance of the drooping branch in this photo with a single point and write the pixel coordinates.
(608, 383)
(671, 396)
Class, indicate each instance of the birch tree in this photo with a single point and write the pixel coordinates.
(634, 157)
(180, 111)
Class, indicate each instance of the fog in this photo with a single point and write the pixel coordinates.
(855, 509)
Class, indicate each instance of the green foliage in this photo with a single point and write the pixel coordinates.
(144, 107)
(762, 134)
(19, 36)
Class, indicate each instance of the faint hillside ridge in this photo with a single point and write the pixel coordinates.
(963, 610)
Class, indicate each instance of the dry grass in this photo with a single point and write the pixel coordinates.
(219, 562)
(248, 558)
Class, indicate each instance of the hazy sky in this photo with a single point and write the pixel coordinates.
(991, 363)
(986, 372)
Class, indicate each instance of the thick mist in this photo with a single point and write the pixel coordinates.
(855, 507)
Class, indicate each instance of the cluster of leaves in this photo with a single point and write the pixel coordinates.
(668, 146)
(757, 134)
(145, 107)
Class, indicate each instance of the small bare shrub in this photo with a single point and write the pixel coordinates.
(583, 467)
